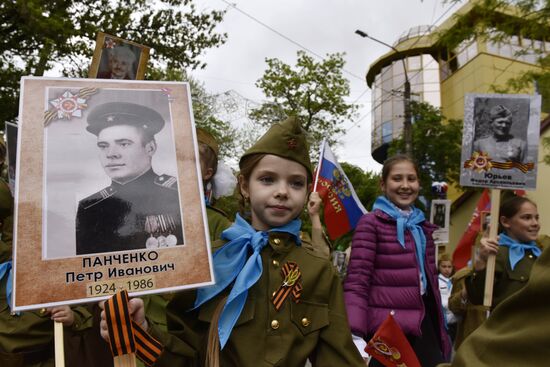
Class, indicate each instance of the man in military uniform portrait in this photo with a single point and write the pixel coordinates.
(501, 146)
(140, 209)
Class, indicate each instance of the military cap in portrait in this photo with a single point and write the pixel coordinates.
(500, 111)
(124, 113)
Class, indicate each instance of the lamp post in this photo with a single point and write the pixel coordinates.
(407, 125)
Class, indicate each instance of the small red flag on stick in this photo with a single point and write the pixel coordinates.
(390, 346)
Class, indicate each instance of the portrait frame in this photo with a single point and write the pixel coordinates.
(53, 112)
(11, 153)
(440, 215)
(495, 162)
(106, 42)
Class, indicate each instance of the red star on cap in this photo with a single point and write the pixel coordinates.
(292, 143)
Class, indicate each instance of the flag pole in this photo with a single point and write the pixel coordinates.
(493, 232)
(58, 344)
(321, 154)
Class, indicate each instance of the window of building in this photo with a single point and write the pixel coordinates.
(466, 51)
(387, 130)
(518, 48)
(397, 67)
(414, 63)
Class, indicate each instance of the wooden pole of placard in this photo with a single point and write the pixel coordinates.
(125, 360)
(58, 342)
(493, 232)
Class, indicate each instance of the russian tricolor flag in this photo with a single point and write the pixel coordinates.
(343, 209)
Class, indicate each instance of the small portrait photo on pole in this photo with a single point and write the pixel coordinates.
(116, 58)
(440, 214)
(500, 141)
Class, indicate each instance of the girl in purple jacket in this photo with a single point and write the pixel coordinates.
(392, 268)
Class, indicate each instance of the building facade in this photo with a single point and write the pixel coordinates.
(442, 76)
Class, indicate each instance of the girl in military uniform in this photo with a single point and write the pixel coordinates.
(275, 303)
(515, 248)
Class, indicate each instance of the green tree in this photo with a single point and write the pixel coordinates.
(497, 20)
(365, 183)
(39, 35)
(436, 146)
(313, 91)
(204, 109)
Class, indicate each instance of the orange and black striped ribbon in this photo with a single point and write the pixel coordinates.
(125, 335)
(148, 349)
(523, 167)
(292, 284)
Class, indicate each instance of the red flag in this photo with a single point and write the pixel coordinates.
(463, 250)
(390, 346)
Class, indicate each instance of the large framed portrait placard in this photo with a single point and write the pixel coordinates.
(108, 192)
(500, 141)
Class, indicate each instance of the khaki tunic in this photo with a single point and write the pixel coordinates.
(316, 328)
(502, 151)
(469, 316)
(507, 281)
(516, 333)
(217, 222)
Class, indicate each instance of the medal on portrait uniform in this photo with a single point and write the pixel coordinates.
(151, 226)
(151, 243)
(162, 241)
(161, 229)
(171, 240)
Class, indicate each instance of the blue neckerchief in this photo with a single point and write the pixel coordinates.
(6, 269)
(448, 281)
(232, 263)
(517, 249)
(410, 222)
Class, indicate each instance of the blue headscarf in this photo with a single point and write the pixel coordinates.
(232, 263)
(517, 249)
(410, 222)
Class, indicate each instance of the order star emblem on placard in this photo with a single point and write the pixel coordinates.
(68, 105)
(479, 162)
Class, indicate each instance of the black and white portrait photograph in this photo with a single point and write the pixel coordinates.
(108, 193)
(115, 58)
(500, 140)
(111, 173)
(440, 215)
